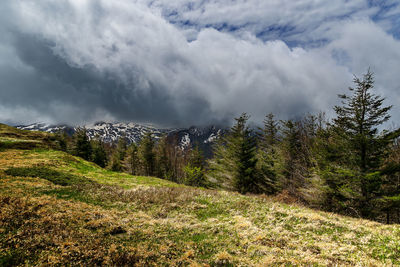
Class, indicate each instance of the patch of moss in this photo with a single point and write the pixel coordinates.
(51, 175)
(12, 258)
(211, 210)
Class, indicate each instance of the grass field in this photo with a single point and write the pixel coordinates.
(58, 209)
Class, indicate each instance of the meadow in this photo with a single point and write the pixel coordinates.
(58, 209)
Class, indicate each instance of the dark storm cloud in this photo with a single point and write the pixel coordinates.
(79, 61)
(53, 82)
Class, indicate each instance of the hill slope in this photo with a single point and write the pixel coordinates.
(59, 209)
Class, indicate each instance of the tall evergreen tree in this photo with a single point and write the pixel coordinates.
(270, 131)
(147, 155)
(267, 154)
(62, 139)
(82, 146)
(163, 159)
(357, 121)
(133, 159)
(235, 159)
(115, 162)
(99, 153)
(122, 147)
(293, 171)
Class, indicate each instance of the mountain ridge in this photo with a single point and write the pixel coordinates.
(111, 132)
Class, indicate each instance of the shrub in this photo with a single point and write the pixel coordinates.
(194, 176)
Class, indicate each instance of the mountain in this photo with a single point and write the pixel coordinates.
(111, 132)
(49, 128)
(203, 137)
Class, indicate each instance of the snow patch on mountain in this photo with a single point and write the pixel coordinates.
(203, 137)
(185, 141)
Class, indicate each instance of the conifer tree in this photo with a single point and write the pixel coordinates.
(357, 121)
(235, 158)
(196, 157)
(99, 153)
(146, 154)
(122, 146)
(133, 158)
(163, 166)
(82, 144)
(267, 155)
(62, 139)
(270, 131)
(292, 155)
(115, 164)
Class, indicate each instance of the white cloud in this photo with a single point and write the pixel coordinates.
(215, 75)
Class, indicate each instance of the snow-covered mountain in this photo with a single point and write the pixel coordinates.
(111, 132)
(203, 137)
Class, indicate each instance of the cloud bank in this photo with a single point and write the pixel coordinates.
(183, 62)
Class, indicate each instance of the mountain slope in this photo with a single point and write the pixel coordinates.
(108, 132)
(60, 209)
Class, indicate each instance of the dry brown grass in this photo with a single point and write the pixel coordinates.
(62, 232)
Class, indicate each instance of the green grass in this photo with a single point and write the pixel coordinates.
(12, 138)
(58, 209)
(210, 210)
(49, 174)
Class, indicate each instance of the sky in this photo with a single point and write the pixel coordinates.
(191, 62)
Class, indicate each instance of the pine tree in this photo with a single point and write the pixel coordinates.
(133, 158)
(292, 146)
(357, 122)
(82, 144)
(270, 131)
(62, 139)
(390, 191)
(235, 159)
(99, 153)
(115, 163)
(267, 155)
(146, 154)
(163, 166)
(122, 146)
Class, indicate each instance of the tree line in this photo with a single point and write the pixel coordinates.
(161, 157)
(349, 164)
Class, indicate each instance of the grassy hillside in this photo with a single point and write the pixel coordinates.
(59, 209)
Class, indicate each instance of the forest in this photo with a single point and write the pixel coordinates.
(349, 164)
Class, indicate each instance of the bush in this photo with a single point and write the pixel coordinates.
(194, 176)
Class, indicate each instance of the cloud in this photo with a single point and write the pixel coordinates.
(179, 62)
(290, 21)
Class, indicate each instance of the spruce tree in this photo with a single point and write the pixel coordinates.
(122, 146)
(133, 158)
(270, 131)
(99, 153)
(115, 164)
(267, 155)
(292, 169)
(358, 121)
(235, 159)
(147, 155)
(82, 146)
(163, 166)
(62, 139)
